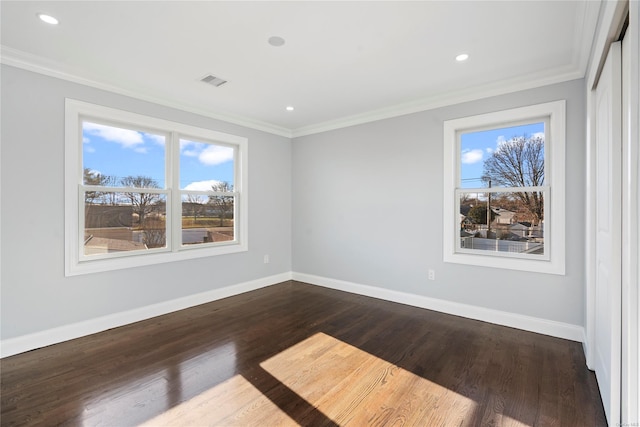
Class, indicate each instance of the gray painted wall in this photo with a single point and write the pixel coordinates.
(361, 204)
(367, 209)
(35, 294)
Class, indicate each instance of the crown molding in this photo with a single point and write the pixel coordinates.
(531, 81)
(583, 40)
(23, 60)
(19, 59)
(585, 35)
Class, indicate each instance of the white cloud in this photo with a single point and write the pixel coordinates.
(190, 153)
(186, 145)
(125, 137)
(89, 150)
(489, 150)
(472, 156)
(202, 185)
(538, 135)
(158, 139)
(215, 155)
(207, 154)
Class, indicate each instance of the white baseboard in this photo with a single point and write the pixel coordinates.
(60, 334)
(518, 321)
(47, 337)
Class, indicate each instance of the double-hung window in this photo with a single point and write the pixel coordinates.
(504, 189)
(141, 190)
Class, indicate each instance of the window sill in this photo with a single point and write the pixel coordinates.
(143, 259)
(502, 262)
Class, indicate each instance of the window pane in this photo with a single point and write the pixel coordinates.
(205, 166)
(515, 225)
(118, 222)
(117, 157)
(503, 157)
(207, 219)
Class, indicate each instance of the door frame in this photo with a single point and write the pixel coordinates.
(630, 409)
(611, 20)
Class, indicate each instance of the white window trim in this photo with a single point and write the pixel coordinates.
(75, 264)
(555, 189)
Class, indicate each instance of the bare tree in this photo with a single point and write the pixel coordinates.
(154, 232)
(91, 177)
(519, 162)
(223, 203)
(196, 206)
(142, 203)
(110, 197)
(465, 199)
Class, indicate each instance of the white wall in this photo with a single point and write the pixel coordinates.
(35, 294)
(367, 210)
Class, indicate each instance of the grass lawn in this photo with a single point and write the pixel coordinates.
(188, 222)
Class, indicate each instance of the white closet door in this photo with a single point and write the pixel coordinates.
(608, 304)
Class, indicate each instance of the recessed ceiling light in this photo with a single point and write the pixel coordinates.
(47, 18)
(276, 41)
(462, 57)
(289, 108)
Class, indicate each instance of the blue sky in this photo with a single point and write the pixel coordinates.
(476, 147)
(121, 152)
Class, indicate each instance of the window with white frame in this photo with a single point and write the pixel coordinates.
(504, 189)
(141, 190)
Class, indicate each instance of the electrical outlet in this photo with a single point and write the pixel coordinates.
(266, 259)
(432, 274)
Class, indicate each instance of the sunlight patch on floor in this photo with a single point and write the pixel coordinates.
(235, 402)
(157, 388)
(354, 387)
(512, 422)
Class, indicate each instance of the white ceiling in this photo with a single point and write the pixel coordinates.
(342, 63)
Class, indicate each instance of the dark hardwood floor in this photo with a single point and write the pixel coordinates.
(296, 354)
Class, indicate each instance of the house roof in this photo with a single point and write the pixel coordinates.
(113, 245)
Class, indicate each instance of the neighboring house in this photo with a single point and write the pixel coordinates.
(519, 229)
(503, 216)
(465, 221)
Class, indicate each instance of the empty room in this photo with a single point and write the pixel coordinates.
(340, 213)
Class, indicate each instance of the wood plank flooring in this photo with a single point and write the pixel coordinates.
(296, 354)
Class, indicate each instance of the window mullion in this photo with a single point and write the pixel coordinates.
(81, 223)
(173, 173)
(239, 187)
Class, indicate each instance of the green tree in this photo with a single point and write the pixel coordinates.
(478, 214)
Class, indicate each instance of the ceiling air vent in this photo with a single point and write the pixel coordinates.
(213, 80)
